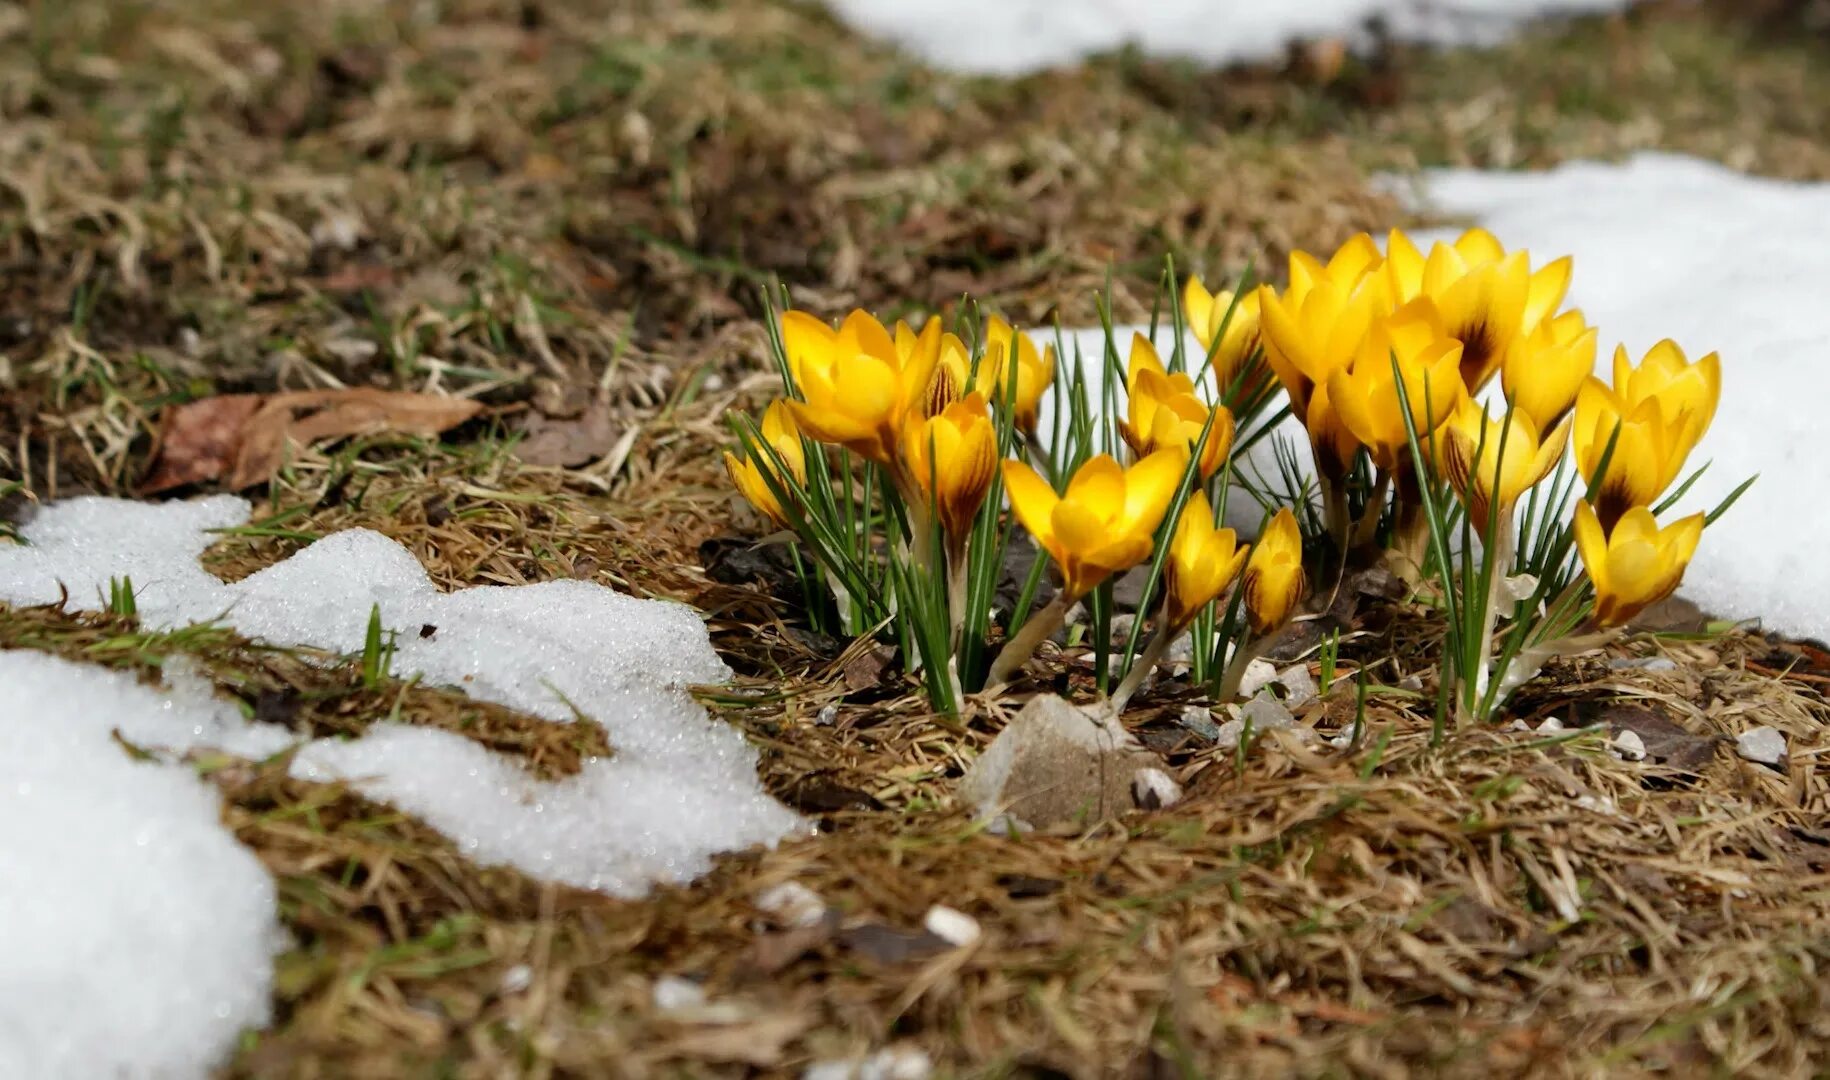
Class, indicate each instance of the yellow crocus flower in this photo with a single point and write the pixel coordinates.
(1274, 577)
(945, 355)
(1145, 359)
(857, 385)
(1104, 522)
(1637, 564)
(1035, 371)
(805, 334)
(1648, 453)
(1487, 297)
(950, 459)
(1317, 325)
(1203, 560)
(1545, 369)
(1353, 260)
(1165, 413)
(1239, 344)
(1365, 395)
(1686, 393)
(779, 432)
(1492, 461)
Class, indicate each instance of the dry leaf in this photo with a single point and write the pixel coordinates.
(568, 441)
(247, 436)
(197, 441)
(1664, 740)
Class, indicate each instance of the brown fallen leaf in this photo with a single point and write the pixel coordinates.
(247, 436)
(770, 953)
(552, 438)
(889, 945)
(197, 441)
(1664, 740)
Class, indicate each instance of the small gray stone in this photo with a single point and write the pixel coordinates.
(1058, 762)
(1200, 721)
(1762, 745)
(1299, 686)
(1628, 746)
(1643, 663)
(1266, 713)
(1227, 735)
(1258, 675)
(1181, 650)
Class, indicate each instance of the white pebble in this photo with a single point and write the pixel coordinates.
(1258, 675)
(1762, 745)
(895, 1063)
(516, 979)
(675, 994)
(1155, 787)
(1628, 746)
(951, 925)
(792, 903)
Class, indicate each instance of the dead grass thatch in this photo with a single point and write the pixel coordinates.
(560, 205)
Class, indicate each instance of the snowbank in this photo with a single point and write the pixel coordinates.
(680, 788)
(1669, 246)
(136, 936)
(1016, 36)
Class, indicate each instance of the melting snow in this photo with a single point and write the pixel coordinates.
(1017, 36)
(136, 936)
(679, 788)
(145, 935)
(1670, 246)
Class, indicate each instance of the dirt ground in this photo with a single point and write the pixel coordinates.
(567, 210)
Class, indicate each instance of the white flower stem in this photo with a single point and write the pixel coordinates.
(1143, 665)
(1249, 650)
(1024, 643)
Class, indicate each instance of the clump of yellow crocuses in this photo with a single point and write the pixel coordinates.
(897, 448)
(903, 457)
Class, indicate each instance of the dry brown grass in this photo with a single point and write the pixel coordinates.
(522, 198)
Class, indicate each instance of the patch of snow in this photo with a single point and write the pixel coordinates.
(1017, 36)
(136, 936)
(679, 788)
(1672, 247)
(617, 826)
